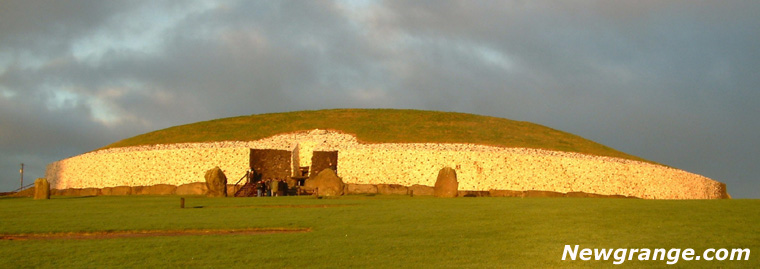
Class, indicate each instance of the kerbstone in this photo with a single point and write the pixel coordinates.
(362, 189)
(422, 190)
(158, 189)
(195, 188)
(392, 189)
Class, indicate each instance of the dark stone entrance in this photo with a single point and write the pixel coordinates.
(322, 160)
(277, 164)
(271, 163)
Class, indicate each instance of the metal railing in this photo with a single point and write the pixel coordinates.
(238, 183)
(23, 188)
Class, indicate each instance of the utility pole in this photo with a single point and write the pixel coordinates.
(22, 175)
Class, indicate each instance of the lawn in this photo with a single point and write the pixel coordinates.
(378, 231)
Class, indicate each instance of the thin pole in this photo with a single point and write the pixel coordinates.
(22, 175)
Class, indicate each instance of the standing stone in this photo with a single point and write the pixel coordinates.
(446, 185)
(41, 189)
(216, 183)
(327, 183)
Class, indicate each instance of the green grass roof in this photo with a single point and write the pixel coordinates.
(381, 126)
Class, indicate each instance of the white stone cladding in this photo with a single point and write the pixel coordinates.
(478, 167)
(305, 152)
(483, 168)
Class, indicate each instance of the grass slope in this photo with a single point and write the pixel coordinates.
(382, 126)
(380, 231)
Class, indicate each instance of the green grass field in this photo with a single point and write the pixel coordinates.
(379, 231)
(381, 126)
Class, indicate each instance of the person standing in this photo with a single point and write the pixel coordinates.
(283, 188)
(259, 188)
(249, 175)
(275, 186)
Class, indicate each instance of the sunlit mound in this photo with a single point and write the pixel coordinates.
(376, 151)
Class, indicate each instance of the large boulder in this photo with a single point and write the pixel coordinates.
(216, 183)
(446, 185)
(392, 189)
(327, 183)
(196, 188)
(41, 189)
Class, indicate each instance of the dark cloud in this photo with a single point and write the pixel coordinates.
(671, 81)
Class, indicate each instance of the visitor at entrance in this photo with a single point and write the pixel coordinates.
(275, 186)
(283, 188)
(249, 175)
(259, 188)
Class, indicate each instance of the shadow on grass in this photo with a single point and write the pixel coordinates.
(76, 197)
(13, 197)
(52, 197)
(276, 206)
(150, 233)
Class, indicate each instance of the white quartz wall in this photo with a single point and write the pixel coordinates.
(146, 168)
(178, 164)
(478, 167)
(483, 168)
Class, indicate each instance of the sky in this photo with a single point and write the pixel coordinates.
(674, 82)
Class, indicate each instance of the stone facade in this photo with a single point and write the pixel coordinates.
(483, 168)
(479, 168)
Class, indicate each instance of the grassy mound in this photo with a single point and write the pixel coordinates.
(381, 126)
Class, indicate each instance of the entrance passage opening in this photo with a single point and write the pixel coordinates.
(284, 165)
(322, 160)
